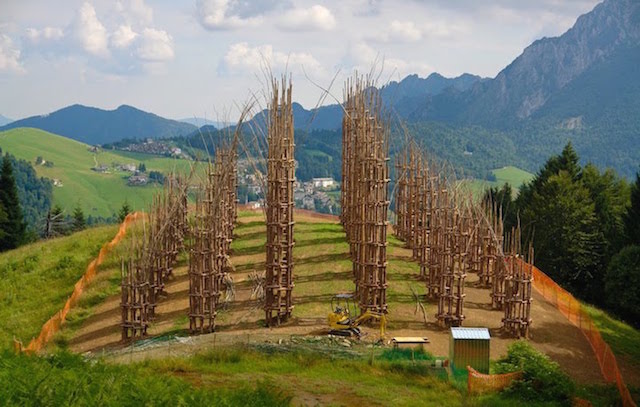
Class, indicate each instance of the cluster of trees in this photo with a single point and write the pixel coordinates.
(13, 229)
(584, 225)
(58, 223)
(35, 194)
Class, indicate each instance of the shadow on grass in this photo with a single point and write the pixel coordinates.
(245, 251)
(314, 242)
(323, 258)
(259, 266)
(241, 235)
(327, 276)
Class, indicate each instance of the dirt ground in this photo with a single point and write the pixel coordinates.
(243, 321)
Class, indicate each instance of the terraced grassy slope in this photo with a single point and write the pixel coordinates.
(98, 194)
(295, 359)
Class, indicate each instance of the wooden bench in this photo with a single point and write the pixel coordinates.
(409, 340)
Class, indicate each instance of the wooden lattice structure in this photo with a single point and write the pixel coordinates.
(365, 201)
(166, 235)
(151, 263)
(451, 235)
(212, 234)
(278, 304)
(517, 287)
(134, 303)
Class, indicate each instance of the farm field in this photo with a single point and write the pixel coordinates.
(99, 194)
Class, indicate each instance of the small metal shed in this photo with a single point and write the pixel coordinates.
(470, 347)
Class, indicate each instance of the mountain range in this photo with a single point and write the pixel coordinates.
(201, 121)
(97, 126)
(582, 86)
(4, 120)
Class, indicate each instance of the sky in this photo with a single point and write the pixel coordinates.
(206, 58)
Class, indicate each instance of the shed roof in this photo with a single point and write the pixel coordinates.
(470, 333)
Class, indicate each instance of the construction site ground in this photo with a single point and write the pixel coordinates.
(322, 269)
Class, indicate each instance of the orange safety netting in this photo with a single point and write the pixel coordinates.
(482, 383)
(570, 307)
(52, 326)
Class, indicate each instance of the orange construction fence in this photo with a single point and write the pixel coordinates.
(570, 307)
(482, 383)
(52, 326)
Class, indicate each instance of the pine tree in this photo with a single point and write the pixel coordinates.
(568, 241)
(13, 227)
(124, 211)
(79, 221)
(632, 217)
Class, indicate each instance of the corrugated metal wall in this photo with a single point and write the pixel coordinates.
(469, 352)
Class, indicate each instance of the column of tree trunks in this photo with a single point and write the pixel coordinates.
(365, 135)
(134, 300)
(278, 304)
(149, 264)
(517, 286)
(212, 234)
(452, 235)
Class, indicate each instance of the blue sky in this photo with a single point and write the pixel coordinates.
(206, 57)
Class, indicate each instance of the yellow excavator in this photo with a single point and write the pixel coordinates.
(341, 322)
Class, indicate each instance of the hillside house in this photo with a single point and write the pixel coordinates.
(138, 180)
(323, 182)
(128, 167)
(100, 168)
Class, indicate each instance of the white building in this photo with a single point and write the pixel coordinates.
(323, 182)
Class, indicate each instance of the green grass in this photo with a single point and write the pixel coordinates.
(37, 279)
(623, 339)
(98, 194)
(247, 375)
(314, 377)
(512, 175)
(68, 380)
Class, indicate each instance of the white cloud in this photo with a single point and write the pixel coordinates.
(308, 19)
(135, 11)
(253, 59)
(362, 57)
(155, 45)
(404, 31)
(9, 56)
(45, 34)
(122, 37)
(218, 15)
(90, 32)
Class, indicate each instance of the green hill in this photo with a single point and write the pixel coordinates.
(97, 126)
(99, 194)
(37, 279)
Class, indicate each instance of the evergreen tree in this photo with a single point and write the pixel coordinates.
(610, 194)
(13, 227)
(622, 285)
(124, 211)
(632, 217)
(79, 221)
(568, 243)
